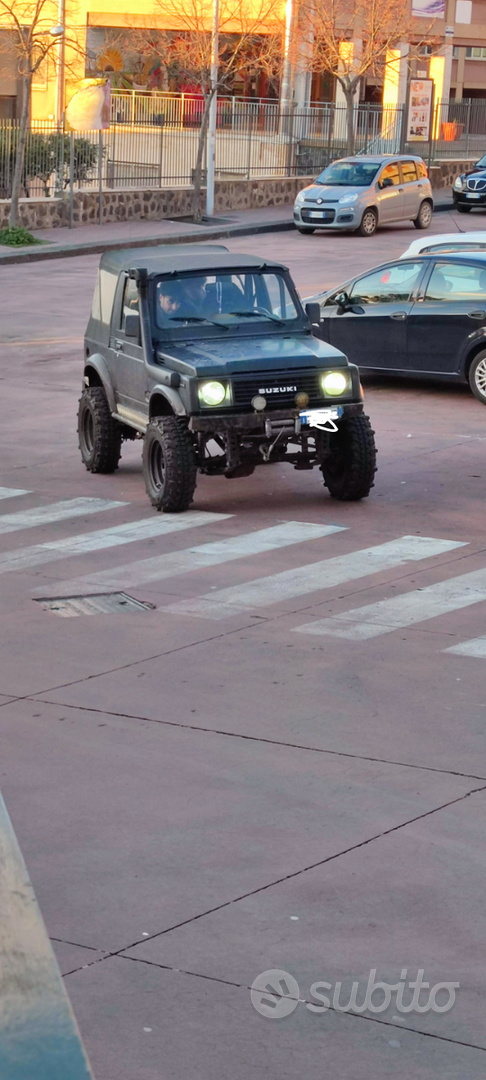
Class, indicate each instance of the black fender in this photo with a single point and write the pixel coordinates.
(96, 362)
(475, 342)
(171, 395)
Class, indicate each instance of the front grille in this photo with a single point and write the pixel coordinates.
(279, 390)
(476, 185)
(324, 215)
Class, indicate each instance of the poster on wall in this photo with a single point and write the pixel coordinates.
(419, 119)
(428, 9)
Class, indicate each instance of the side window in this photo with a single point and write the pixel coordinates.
(409, 172)
(108, 284)
(281, 304)
(130, 301)
(457, 281)
(421, 169)
(390, 285)
(391, 172)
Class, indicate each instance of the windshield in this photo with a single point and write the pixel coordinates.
(223, 299)
(482, 161)
(349, 174)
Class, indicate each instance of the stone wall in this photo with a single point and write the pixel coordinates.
(153, 205)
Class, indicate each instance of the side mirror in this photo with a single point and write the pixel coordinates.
(342, 300)
(313, 312)
(132, 326)
(387, 182)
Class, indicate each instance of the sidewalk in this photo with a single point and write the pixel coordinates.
(90, 239)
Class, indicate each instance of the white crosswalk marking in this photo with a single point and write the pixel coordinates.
(10, 493)
(212, 554)
(475, 647)
(400, 611)
(118, 535)
(306, 579)
(61, 511)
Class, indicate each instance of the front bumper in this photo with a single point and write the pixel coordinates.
(327, 217)
(469, 198)
(256, 423)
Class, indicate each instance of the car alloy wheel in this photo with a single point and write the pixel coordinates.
(424, 216)
(477, 377)
(369, 223)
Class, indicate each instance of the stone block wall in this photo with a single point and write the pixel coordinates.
(128, 204)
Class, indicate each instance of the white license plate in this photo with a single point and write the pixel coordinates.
(319, 416)
(317, 213)
(473, 195)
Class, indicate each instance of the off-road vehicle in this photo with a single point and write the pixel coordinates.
(210, 357)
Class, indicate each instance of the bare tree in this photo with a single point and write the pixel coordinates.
(33, 44)
(353, 38)
(250, 42)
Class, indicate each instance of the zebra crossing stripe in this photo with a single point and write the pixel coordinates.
(194, 558)
(133, 531)
(401, 611)
(475, 647)
(307, 579)
(61, 511)
(10, 493)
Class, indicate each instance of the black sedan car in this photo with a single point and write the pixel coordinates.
(469, 189)
(417, 316)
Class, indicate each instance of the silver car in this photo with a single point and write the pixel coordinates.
(360, 193)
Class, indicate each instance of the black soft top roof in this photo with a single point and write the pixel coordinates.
(170, 259)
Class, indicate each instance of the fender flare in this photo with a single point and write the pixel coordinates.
(170, 395)
(98, 363)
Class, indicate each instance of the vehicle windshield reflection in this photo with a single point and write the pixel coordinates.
(349, 174)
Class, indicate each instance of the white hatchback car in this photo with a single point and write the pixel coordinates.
(447, 243)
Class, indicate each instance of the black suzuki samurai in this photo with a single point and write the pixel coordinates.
(211, 358)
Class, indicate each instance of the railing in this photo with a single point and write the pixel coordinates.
(253, 139)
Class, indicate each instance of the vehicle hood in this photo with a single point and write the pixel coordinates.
(211, 358)
(481, 172)
(328, 193)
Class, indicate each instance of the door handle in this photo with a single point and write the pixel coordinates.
(118, 344)
(399, 315)
(476, 314)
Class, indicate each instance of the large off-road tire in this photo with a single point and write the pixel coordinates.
(369, 223)
(304, 229)
(169, 464)
(424, 216)
(462, 208)
(99, 434)
(349, 469)
(477, 376)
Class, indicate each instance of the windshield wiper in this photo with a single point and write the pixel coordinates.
(258, 314)
(196, 318)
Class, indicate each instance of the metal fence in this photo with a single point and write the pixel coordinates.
(157, 147)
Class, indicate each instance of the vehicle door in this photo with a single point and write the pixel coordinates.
(129, 376)
(448, 312)
(412, 191)
(389, 193)
(372, 330)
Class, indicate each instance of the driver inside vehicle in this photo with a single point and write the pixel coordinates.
(183, 299)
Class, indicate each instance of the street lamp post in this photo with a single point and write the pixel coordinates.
(213, 112)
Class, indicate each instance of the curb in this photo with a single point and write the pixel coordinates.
(95, 247)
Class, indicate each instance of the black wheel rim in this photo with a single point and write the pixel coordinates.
(88, 431)
(157, 466)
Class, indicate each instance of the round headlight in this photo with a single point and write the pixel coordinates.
(334, 383)
(212, 393)
(259, 402)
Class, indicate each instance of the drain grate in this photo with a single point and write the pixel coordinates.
(118, 603)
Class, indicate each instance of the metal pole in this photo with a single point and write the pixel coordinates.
(468, 125)
(71, 180)
(100, 177)
(248, 165)
(213, 112)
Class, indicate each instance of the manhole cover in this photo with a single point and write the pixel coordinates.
(105, 604)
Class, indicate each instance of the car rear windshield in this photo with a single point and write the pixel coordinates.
(225, 299)
(349, 174)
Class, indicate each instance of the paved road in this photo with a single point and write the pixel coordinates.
(278, 765)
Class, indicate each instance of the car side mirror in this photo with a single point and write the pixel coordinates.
(132, 326)
(387, 182)
(313, 312)
(342, 300)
